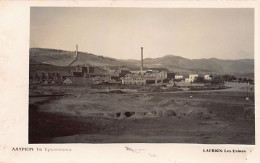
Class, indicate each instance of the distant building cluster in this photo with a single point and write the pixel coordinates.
(93, 75)
(62, 77)
(80, 75)
(83, 74)
(148, 77)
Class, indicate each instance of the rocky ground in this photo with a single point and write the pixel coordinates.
(93, 115)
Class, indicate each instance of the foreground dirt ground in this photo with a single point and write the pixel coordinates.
(91, 115)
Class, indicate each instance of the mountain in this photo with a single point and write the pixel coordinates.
(213, 65)
(169, 62)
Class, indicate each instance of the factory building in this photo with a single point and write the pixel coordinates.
(143, 77)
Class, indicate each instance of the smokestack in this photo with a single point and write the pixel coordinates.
(142, 64)
(76, 52)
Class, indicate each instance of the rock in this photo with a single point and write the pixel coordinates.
(169, 113)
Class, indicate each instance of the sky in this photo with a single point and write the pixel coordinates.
(193, 33)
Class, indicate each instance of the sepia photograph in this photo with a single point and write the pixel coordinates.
(141, 75)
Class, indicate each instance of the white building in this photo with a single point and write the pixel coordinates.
(191, 78)
(178, 76)
(207, 77)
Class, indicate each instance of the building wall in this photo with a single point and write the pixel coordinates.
(207, 77)
(150, 81)
(138, 81)
(91, 69)
(178, 77)
(127, 81)
(161, 75)
(170, 75)
(188, 80)
(148, 78)
(191, 78)
(84, 69)
(78, 74)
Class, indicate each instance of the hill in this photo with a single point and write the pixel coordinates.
(64, 58)
(169, 62)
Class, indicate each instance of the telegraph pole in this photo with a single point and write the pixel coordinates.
(142, 64)
(247, 98)
(191, 89)
(109, 83)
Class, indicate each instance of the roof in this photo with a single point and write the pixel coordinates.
(78, 80)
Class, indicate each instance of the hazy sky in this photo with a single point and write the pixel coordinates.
(120, 32)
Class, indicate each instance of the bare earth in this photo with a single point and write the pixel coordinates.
(94, 115)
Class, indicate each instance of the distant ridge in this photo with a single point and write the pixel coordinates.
(174, 63)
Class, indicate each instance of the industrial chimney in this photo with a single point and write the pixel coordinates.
(76, 57)
(142, 60)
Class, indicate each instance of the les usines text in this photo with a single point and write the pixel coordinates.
(224, 150)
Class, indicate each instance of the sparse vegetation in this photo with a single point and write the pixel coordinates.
(90, 114)
(200, 80)
(170, 62)
(217, 80)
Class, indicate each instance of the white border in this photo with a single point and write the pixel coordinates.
(14, 59)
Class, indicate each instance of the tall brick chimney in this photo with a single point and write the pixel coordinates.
(76, 57)
(142, 64)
